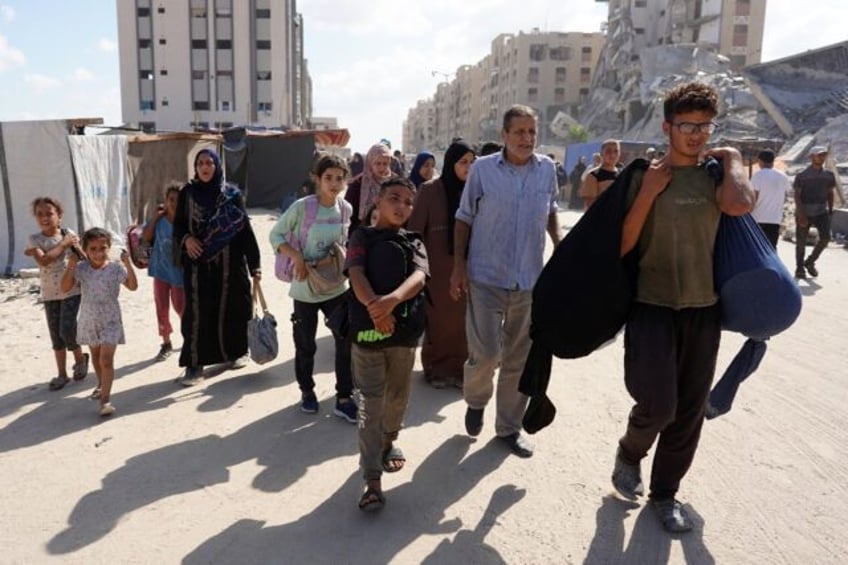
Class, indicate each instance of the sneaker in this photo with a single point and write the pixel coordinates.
(193, 376)
(474, 421)
(107, 410)
(165, 351)
(800, 273)
(239, 363)
(80, 370)
(811, 268)
(626, 478)
(518, 444)
(671, 513)
(346, 410)
(309, 403)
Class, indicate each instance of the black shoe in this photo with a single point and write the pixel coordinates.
(811, 268)
(800, 273)
(674, 518)
(518, 444)
(474, 421)
(626, 478)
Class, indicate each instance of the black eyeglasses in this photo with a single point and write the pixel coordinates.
(688, 128)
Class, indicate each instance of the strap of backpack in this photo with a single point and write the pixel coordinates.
(310, 212)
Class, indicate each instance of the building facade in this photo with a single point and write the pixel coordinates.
(548, 71)
(212, 64)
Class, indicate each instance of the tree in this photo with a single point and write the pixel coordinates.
(577, 134)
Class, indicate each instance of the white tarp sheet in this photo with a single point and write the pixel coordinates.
(34, 161)
(100, 168)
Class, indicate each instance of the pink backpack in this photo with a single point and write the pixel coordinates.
(284, 265)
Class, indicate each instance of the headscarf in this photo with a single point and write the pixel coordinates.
(415, 174)
(453, 185)
(370, 186)
(221, 205)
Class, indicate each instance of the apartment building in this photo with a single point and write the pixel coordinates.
(733, 28)
(189, 64)
(549, 71)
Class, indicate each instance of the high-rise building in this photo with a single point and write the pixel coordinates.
(189, 64)
(548, 71)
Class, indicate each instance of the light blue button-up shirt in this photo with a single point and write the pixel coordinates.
(507, 208)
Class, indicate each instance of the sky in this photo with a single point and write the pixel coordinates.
(369, 61)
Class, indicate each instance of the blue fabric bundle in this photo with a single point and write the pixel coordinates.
(758, 296)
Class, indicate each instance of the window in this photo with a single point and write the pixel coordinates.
(639, 30)
(198, 44)
(538, 52)
(559, 95)
(163, 72)
(164, 102)
(147, 105)
(198, 75)
(226, 125)
(533, 94)
(222, 74)
(585, 54)
(225, 105)
(640, 3)
(161, 9)
(143, 12)
(224, 44)
(263, 14)
(147, 127)
(533, 75)
(743, 7)
(263, 43)
(584, 94)
(561, 53)
(560, 75)
(145, 75)
(740, 35)
(200, 105)
(264, 106)
(585, 75)
(263, 75)
(144, 44)
(162, 41)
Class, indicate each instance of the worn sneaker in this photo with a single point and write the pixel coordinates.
(626, 478)
(800, 273)
(239, 363)
(193, 376)
(309, 403)
(811, 268)
(346, 410)
(671, 513)
(106, 410)
(165, 351)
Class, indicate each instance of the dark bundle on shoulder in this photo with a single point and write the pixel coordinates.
(582, 297)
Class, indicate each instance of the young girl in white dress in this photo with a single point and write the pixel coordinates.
(99, 325)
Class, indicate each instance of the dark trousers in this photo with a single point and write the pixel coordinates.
(772, 232)
(304, 327)
(669, 362)
(822, 225)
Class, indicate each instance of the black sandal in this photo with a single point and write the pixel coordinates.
(372, 499)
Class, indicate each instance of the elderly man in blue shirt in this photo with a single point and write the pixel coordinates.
(508, 204)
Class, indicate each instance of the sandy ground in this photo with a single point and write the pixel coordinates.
(232, 471)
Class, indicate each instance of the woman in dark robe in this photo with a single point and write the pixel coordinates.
(445, 349)
(423, 169)
(217, 248)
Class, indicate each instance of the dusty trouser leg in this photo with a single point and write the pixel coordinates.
(483, 324)
(511, 404)
(369, 369)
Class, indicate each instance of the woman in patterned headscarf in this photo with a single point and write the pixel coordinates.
(445, 348)
(217, 248)
(362, 192)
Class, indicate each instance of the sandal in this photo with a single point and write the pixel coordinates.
(95, 394)
(372, 499)
(80, 370)
(58, 383)
(393, 454)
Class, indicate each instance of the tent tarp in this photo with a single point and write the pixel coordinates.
(100, 170)
(34, 161)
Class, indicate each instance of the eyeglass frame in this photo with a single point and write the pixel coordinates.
(696, 128)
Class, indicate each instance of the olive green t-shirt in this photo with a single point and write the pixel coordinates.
(675, 248)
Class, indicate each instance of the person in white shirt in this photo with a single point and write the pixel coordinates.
(770, 189)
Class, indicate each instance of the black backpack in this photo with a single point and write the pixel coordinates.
(390, 256)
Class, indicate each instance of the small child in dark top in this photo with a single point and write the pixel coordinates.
(384, 352)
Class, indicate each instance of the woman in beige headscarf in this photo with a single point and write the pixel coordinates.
(362, 192)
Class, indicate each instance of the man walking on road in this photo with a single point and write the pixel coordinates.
(674, 325)
(770, 189)
(508, 203)
(814, 191)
